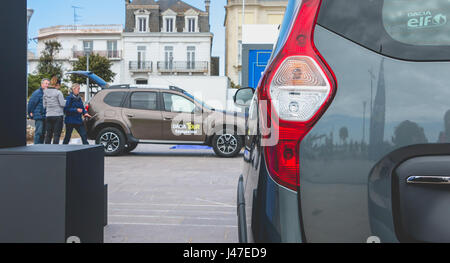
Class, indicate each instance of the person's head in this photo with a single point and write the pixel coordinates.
(55, 82)
(45, 83)
(75, 89)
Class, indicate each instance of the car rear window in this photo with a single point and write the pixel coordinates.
(395, 28)
(114, 98)
(144, 101)
(418, 22)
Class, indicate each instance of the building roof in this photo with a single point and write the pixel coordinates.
(143, 2)
(177, 6)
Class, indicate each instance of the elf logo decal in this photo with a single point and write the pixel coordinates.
(425, 19)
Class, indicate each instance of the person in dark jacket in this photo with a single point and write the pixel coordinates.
(36, 111)
(74, 111)
(54, 104)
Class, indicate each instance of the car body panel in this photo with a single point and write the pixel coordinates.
(408, 101)
(94, 78)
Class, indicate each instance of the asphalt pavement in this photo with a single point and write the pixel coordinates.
(159, 194)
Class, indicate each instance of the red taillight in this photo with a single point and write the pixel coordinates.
(298, 87)
(87, 107)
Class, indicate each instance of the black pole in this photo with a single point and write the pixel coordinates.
(13, 75)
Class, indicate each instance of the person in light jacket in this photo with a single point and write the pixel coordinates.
(75, 110)
(54, 104)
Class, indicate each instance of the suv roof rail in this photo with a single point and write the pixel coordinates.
(175, 88)
(119, 87)
(127, 86)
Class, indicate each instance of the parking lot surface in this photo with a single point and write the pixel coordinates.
(159, 194)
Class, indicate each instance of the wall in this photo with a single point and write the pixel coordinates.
(213, 90)
(256, 12)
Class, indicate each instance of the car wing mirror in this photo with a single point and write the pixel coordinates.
(243, 96)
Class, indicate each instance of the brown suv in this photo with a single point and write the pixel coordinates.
(124, 116)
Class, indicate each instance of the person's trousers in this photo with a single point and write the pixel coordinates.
(54, 125)
(39, 131)
(80, 129)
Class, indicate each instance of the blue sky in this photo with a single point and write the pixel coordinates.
(60, 12)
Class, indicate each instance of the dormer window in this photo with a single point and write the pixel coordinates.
(142, 26)
(169, 25)
(169, 21)
(142, 21)
(191, 21)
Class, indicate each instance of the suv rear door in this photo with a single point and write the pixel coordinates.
(391, 61)
(143, 114)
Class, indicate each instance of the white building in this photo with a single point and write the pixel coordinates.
(168, 37)
(105, 40)
(165, 41)
(164, 38)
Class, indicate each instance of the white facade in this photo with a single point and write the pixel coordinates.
(136, 56)
(147, 55)
(75, 40)
(260, 34)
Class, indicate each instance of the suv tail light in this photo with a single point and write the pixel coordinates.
(298, 86)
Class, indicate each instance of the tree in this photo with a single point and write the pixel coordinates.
(99, 65)
(407, 133)
(47, 63)
(47, 67)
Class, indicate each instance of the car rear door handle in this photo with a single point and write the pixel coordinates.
(130, 115)
(428, 179)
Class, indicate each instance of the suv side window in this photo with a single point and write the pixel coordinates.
(177, 103)
(143, 100)
(394, 28)
(114, 99)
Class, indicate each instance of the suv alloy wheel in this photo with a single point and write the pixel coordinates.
(112, 139)
(227, 144)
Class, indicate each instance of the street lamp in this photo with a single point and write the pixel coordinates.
(88, 91)
(29, 14)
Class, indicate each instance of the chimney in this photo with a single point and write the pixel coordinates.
(207, 5)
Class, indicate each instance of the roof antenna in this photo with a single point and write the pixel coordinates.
(76, 17)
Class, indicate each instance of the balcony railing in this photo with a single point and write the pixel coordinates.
(183, 66)
(141, 66)
(111, 54)
(84, 29)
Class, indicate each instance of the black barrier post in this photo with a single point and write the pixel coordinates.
(13, 75)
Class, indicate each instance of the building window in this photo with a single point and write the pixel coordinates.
(169, 25)
(142, 26)
(141, 82)
(88, 47)
(112, 49)
(190, 57)
(141, 50)
(191, 23)
(142, 17)
(168, 57)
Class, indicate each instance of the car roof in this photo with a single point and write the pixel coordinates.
(145, 87)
